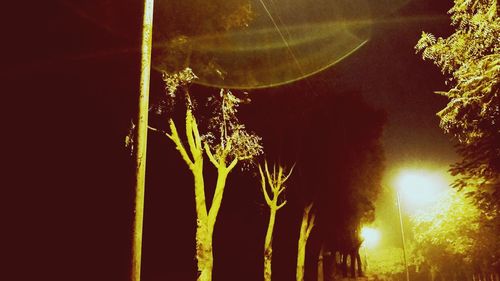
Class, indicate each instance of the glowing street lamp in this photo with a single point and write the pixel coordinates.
(418, 187)
(371, 236)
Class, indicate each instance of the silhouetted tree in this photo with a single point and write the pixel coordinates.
(306, 226)
(344, 136)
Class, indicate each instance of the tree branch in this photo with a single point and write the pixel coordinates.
(211, 156)
(274, 174)
(159, 131)
(279, 179)
(242, 158)
(310, 225)
(189, 134)
(175, 138)
(269, 178)
(280, 190)
(264, 190)
(197, 137)
(232, 165)
(289, 174)
(217, 199)
(226, 149)
(281, 205)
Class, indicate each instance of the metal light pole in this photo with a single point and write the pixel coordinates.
(402, 236)
(366, 258)
(142, 133)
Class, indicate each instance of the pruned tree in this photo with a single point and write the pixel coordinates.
(276, 182)
(306, 226)
(226, 144)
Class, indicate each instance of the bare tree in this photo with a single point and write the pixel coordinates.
(276, 181)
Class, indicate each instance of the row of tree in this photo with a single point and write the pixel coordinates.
(336, 180)
(470, 60)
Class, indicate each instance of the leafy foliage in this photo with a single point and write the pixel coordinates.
(470, 57)
(225, 135)
(175, 80)
(228, 137)
(450, 226)
(385, 262)
(454, 235)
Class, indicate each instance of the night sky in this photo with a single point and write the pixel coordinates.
(74, 86)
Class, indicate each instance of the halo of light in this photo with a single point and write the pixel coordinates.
(371, 236)
(418, 188)
(247, 43)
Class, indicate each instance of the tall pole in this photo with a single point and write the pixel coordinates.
(366, 258)
(403, 237)
(142, 134)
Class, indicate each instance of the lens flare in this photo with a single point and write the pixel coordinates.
(245, 43)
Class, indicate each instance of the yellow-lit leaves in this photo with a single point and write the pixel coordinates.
(472, 56)
(229, 139)
(174, 80)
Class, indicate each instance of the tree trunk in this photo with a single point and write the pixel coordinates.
(353, 264)
(358, 262)
(321, 257)
(329, 264)
(204, 254)
(205, 217)
(343, 266)
(305, 230)
(204, 257)
(222, 173)
(434, 272)
(301, 253)
(268, 245)
(206, 222)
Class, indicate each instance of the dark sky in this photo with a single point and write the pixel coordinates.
(74, 89)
